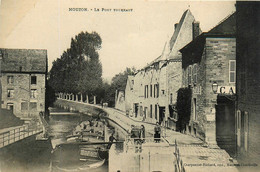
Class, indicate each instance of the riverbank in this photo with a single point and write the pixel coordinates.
(8, 119)
(195, 155)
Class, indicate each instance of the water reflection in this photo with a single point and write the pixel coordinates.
(61, 126)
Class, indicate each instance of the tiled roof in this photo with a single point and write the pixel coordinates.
(23, 60)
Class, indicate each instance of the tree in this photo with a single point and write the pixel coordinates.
(118, 83)
(183, 107)
(78, 70)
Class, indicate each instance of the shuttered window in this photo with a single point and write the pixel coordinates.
(232, 71)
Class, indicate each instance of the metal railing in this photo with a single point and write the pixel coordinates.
(18, 133)
(149, 142)
(179, 166)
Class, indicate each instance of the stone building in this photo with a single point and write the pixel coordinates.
(209, 70)
(150, 94)
(248, 82)
(23, 78)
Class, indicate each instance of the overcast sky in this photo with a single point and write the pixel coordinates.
(129, 38)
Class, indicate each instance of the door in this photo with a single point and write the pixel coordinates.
(225, 126)
(161, 114)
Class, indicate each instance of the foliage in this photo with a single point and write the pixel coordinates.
(78, 70)
(49, 96)
(118, 83)
(183, 107)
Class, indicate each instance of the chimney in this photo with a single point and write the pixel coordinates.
(195, 29)
(175, 26)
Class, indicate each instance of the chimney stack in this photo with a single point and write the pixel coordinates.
(195, 29)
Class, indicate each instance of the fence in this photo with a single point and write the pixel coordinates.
(18, 133)
(179, 166)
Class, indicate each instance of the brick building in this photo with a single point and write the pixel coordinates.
(208, 64)
(248, 81)
(150, 94)
(23, 79)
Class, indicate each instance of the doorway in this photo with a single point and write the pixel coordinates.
(161, 114)
(225, 124)
(10, 106)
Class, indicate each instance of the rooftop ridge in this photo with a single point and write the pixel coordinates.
(221, 21)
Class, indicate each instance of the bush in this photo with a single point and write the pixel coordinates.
(183, 107)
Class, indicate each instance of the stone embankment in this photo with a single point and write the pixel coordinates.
(195, 155)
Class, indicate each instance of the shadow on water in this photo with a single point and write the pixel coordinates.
(32, 156)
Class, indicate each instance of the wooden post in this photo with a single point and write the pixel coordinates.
(87, 99)
(73, 97)
(94, 100)
(81, 97)
(77, 98)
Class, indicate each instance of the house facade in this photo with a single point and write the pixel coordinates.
(151, 93)
(23, 79)
(209, 70)
(248, 82)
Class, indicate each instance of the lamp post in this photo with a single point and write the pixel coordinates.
(214, 87)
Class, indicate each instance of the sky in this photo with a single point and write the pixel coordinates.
(128, 38)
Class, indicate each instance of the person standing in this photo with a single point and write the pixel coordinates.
(111, 139)
(142, 133)
(157, 132)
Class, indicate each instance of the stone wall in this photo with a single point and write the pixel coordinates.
(21, 87)
(248, 74)
(213, 67)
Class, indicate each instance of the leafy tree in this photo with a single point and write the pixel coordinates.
(183, 107)
(78, 70)
(118, 83)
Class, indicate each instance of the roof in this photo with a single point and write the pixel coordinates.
(226, 27)
(170, 43)
(23, 60)
(192, 52)
(176, 32)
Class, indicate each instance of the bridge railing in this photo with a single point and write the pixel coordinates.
(141, 143)
(18, 133)
(179, 166)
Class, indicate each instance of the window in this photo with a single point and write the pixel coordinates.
(24, 106)
(33, 93)
(194, 72)
(33, 106)
(171, 98)
(10, 79)
(155, 111)
(33, 80)
(194, 109)
(232, 71)
(151, 111)
(10, 93)
(151, 90)
(157, 90)
(154, 89)
(189, 75)
(10, 106)
(146, 91)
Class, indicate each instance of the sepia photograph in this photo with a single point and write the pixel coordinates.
(129, 86)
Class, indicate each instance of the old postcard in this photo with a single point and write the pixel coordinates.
(129, 86)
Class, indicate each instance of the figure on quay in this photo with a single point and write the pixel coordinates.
(157, 133)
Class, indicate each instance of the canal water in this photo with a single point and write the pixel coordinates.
(62, 126)
(36, 160)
